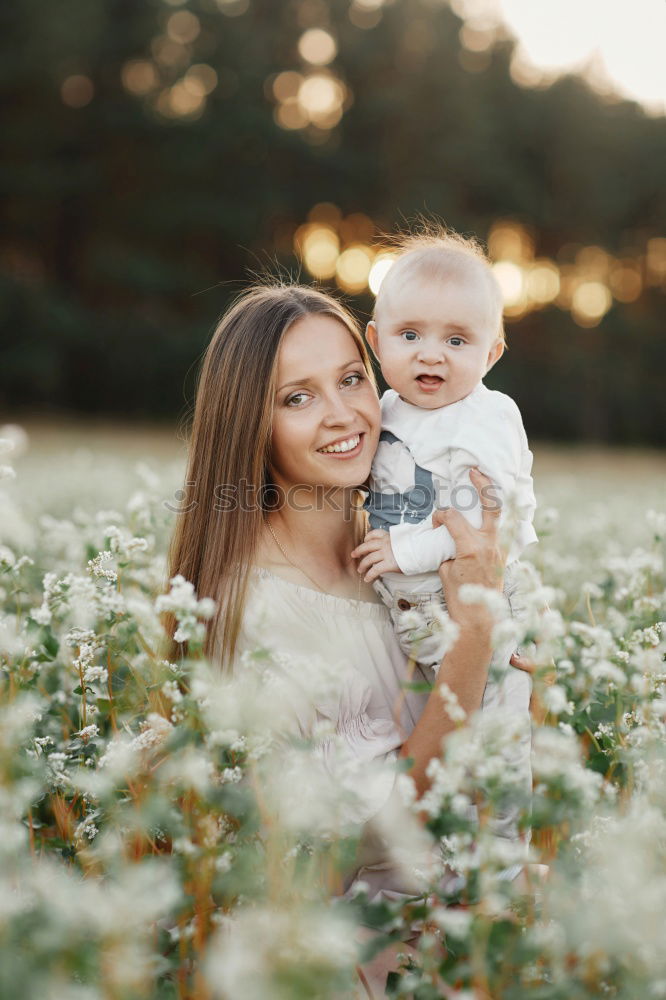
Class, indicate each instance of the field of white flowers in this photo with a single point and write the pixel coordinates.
(162, 837)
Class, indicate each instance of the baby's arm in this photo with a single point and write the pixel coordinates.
(420, 548)
(495, 447)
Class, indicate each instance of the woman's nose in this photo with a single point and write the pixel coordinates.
(338, 411)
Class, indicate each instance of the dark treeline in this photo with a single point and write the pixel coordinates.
(124, 233)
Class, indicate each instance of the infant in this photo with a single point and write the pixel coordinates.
(436, 330)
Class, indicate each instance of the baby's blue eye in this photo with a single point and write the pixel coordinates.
(456, 341)
(410, 335)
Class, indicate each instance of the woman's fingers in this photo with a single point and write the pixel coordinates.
(459, 527)
(522, 663)
(491, 505)
(439, 516)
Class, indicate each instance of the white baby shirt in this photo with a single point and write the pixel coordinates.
(423, 461)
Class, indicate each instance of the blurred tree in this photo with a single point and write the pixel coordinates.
(131, 213)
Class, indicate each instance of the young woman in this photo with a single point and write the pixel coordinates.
(285, 426)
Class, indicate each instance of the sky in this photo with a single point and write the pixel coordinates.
(618, 40)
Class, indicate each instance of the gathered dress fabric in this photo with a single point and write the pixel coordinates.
(364, 714)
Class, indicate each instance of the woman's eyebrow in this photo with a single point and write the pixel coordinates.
(309, 378)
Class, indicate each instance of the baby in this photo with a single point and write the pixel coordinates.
(437, 330)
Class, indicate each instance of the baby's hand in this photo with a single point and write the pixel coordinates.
(376, 555)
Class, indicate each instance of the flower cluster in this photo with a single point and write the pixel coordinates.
(167, 830)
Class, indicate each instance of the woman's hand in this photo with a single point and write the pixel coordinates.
(479, 558)
(522, 663)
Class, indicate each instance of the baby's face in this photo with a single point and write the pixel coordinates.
(435, 340)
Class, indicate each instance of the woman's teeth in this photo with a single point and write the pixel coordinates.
(347, 445)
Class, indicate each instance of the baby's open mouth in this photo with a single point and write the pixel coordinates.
(429, 381)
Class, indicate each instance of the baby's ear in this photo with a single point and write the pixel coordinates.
(372, 337)
(494, 354)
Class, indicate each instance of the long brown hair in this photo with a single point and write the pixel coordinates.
(230, 447)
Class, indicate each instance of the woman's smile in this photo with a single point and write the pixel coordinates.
(347, 447)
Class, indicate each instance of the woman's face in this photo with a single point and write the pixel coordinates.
(326, 416)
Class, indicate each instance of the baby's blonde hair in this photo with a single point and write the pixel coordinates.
(435, 252)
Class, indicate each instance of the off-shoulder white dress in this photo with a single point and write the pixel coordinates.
(368, 709)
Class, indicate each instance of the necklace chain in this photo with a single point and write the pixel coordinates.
(300, 568)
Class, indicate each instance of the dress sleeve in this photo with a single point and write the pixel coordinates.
(359, 756)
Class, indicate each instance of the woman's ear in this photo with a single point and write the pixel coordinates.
(372, 337)
(494, 354)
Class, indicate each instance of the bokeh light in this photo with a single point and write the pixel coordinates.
(290, 115)
(339, 247)
(543, 282)
(200, 80)
(626, 282)
(511, 279)
(313, 101)
(591, 300)
(181, 101)
(286, 85)
(183, 27)
(317, 46)
(382, 265)
(353, 268)
(319, 247)
(476, 39)
(233, 8)
(139, 76)
(169, 53)
(509, 240)
(364, 18)
(326, 212)
(656, 260)
(76, 91)
(321, 96)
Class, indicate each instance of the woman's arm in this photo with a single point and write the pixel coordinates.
(464, 668)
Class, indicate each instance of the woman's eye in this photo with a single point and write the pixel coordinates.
(354, 378)
(295, 399)
(410, 335)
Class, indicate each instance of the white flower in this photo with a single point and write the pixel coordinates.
(555, 699)
(89, 732)
(411, 619)
(13, 440)
(254, 951)
(95, 567)
(492, 600)
(455, 922)
(182, 602)
(452, 706)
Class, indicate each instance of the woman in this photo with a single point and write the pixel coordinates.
(285, 426)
